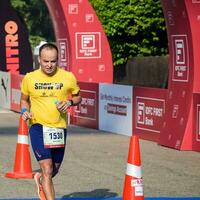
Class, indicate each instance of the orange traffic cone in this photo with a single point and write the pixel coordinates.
(22, 166)
(133, 187)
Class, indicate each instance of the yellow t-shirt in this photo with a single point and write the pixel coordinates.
(44, 90)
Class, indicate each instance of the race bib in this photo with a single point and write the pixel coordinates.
(53, 137)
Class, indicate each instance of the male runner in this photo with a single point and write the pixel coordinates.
(44, 100)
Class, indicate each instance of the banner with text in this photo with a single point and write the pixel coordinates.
(115, 108)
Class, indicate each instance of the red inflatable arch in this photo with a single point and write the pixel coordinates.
(172, 116)
(181, 124)
(83, 45)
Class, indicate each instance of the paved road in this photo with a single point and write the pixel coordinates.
(95, 164)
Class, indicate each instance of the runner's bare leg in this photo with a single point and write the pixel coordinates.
(46, 166)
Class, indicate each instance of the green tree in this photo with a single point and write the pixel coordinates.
(133, 27)
(37, 18)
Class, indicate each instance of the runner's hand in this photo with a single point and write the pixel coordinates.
(27, 115)
(63, 106)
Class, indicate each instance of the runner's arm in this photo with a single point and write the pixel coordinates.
(25, 106)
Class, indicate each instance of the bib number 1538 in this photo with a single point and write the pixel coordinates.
(53, 137)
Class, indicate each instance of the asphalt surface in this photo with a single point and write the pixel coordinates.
(95, 165)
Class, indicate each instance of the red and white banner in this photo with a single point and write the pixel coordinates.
(87, 112)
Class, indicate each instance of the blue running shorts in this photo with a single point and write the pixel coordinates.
(41, 153)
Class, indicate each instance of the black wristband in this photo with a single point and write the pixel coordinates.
(72, 103)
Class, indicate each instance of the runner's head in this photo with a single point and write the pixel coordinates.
(48, 58)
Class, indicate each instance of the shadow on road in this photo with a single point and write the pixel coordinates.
(98, 193)
(9, 131)
(12, 130)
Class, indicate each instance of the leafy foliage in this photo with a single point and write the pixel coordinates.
(133, 27)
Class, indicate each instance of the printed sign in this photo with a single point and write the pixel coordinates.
(149, 113)
(138, 186)
(180, 58)
(86, 113)
(115, 108)
(64, 53)
(88, 45)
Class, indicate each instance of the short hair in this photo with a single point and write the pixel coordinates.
(48, 46)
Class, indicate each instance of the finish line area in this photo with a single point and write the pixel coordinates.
(117, 198)
(95, 164)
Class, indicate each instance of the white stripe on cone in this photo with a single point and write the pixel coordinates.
(134, 170)
(22, 139)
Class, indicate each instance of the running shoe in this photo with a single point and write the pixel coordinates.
(40, 190)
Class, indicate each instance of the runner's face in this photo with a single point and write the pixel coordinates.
(48, 61)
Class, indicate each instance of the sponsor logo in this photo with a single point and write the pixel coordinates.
(38, 154)
(12, 46)
(64, 55)
(88, 45)
(4, 86)
(149, 113)
(180, 58)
